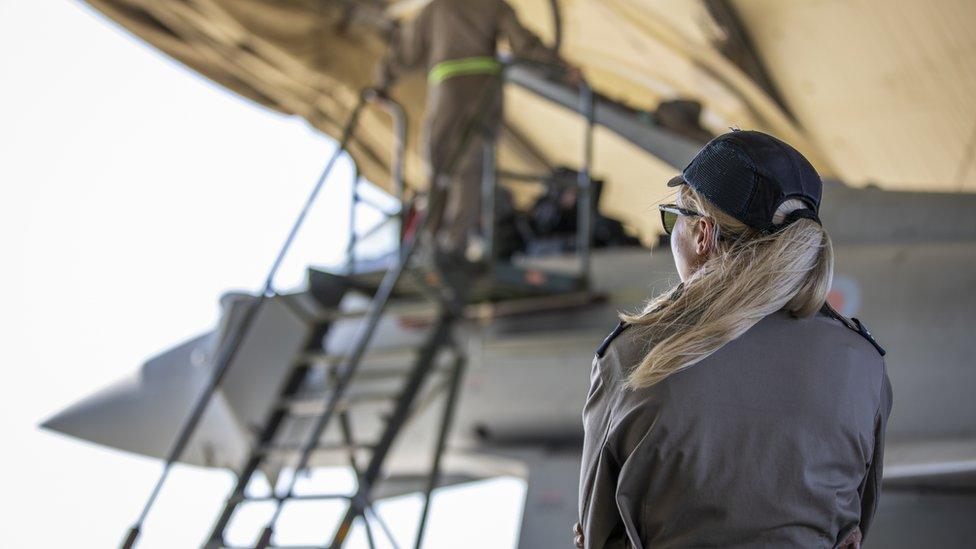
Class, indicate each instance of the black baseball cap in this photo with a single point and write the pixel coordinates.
(749, 174)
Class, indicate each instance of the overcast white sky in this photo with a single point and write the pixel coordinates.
(134, 194)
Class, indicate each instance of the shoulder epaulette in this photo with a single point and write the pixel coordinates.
(855, 325)
(602, 349)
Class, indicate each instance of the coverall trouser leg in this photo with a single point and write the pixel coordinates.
(463, 113)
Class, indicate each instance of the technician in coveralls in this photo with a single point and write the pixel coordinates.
(455, 42)
(737, 409)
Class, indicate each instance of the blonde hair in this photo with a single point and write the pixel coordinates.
(749, 276)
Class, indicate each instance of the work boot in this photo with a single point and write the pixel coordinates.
(458, 273)
(475, 250)
(424, 256)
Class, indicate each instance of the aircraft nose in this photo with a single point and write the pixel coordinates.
(90, 417)
(143, 414)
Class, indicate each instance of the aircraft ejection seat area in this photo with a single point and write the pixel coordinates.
(424, 361)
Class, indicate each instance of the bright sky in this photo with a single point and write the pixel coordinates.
(134, 194)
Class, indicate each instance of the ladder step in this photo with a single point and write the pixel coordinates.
(395, 377)
(274, 547)
(326, 447)
(400, 351)
(314, 406)
(303, 497)
(372, 374)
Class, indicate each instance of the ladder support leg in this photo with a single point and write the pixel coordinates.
(130, 539)
(216, 538)
(265, 540)
(445, 427)
(420, 371)
(369, 532)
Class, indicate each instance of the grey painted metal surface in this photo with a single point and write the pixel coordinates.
(670, 147)
(871, 215)
(142, 413)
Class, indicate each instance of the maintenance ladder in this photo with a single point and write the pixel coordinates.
(390, 395)
(320, 390)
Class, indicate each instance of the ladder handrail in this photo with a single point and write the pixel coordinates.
(584, 202)
(449, 313)
(586, 107)
(399, 116)
(489, 186)
(377, 306)
(229, 350)
(350, 365)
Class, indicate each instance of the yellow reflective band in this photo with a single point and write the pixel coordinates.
(457, 67)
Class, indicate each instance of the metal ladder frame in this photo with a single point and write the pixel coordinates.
(359, 503)
(399, 116)
(450, 312)
(228, 351)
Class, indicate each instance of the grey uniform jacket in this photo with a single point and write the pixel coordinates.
(775, 440)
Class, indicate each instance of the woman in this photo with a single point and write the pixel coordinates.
(737, 409)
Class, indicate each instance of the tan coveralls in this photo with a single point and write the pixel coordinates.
(455, 41)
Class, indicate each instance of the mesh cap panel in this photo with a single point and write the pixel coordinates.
(724, 177)
(747, 174)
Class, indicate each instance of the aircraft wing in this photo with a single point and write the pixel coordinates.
(938, 515)
(142, 413)
(931, 463)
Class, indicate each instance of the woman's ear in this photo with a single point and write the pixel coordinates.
(704, 228)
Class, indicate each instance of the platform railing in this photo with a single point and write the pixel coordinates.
(585, 206)
(490, 178)
(398, 114)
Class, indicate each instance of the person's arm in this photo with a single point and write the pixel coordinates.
(600, 526)
(408, 51)
(524, 43)
(871, 491)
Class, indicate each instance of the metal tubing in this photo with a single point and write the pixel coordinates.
(307, 497)
(363, 337)
(229, 351)
(557, 24)
(399, 116)
(256, 454)
(383, 526)
(524, 177)
(400, 130)
(422, 366)
(353, 239)
(375, 228)
(585, 207)
(345, 423)
(488, 198)
(584, 226)
(377, 306)
(363, 199)
(369, 533)
(435, 469)
(671, 147)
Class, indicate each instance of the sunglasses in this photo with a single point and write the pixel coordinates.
(670, 213)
